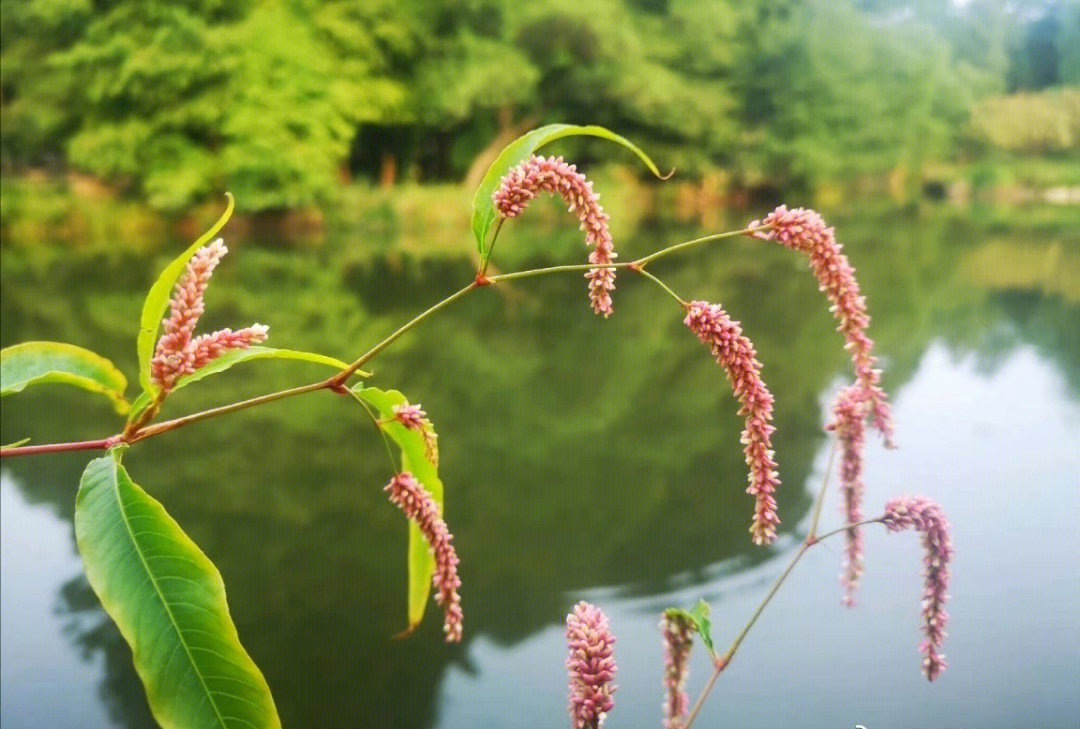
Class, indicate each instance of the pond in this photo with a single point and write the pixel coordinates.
(583, 459)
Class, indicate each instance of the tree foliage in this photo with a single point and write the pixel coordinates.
(281, 100)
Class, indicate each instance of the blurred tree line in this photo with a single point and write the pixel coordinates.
(282, 101)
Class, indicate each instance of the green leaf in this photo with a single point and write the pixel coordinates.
(699, 618)
(36, 363)
(140, 404)
(16, 444)
(168, 600)
(157, 300)
(414, 460)
(236, 356)
(484, 209)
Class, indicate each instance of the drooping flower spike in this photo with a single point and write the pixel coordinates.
(416, 503)
(850, 409)
(178, 353)
(736, 354)
(804, 230)
(590, 666)
(678, 635)
(414, 418)
(552, 175)
(924, 515)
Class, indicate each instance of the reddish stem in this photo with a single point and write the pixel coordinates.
(80, 445)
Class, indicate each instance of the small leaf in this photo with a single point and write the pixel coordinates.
(168, 600)
(36, 363)
(139, 406)
(236, 356)
(484, 209)
(699, 618)
(157, 300)
(414, 460)
(17, 443)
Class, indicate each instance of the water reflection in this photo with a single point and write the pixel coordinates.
(36, 557)
(582, 457)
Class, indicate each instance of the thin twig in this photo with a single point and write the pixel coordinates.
(812, 538)
(696, 241)
(661, 284)
(729, 654)
(821, 492)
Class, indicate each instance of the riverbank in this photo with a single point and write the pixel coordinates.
(432, 220)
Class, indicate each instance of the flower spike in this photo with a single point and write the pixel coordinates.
(177, 352)
(552, 175)
(849, 423)
(414, 418)
(590, 666)
(924, 515)
(736, 354)
(678, 635)
(804, 230)
(416, 503)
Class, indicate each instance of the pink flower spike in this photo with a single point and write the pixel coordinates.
(590, 666)
(172, 356)
(552, 175)
(924, 515)
(805, 231)
(416, 503)
(736, 354)
(850, 410)
(207, 347)
(178, 353)
(678, 635)
(414, 418)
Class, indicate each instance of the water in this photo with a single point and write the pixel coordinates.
(583, 460)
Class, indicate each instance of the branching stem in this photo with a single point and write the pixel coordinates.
(140, 431)
(811, 539)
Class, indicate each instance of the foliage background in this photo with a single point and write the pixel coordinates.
(283, 101)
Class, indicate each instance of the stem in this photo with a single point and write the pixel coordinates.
(147, 415)
(136, 432)
(812, 535)
(378, 426)
(222, 410)
(79, 445)
(339, 379)
(696, 241)
(848, 527)
(811, 539)
(724, 660)
(558, 269)
(661, 284)
(635, 265)
(491, 248)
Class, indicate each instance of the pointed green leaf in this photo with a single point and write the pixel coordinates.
(484, 209)
(16, 444)
(168, 600)
(36, 363)
(157, 300)
(236, 356)
(414, 460)
(699, 618)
